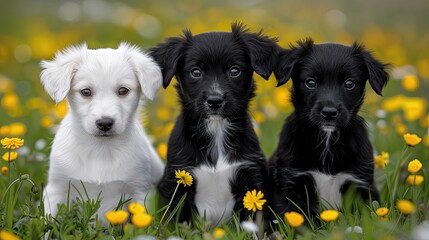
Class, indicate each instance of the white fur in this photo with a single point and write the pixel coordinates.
(328, 187)
(213, 197)
(121, 163)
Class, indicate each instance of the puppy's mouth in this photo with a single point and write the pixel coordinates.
(102, 134)
(328, 128)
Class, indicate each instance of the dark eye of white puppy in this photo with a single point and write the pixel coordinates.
(86, 92)
(123, 91)
(310, 83)
(234, 72)
(196, 72)
(349, 84)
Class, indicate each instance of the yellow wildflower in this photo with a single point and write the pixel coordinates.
(329, 215)
(117, 217)
(294, 219)
(4, 130)
(382, 212)
(412, 139)
(381, 160)
(401, 128)
(8, 235)
(405, 206)
(135, 208)
(162, 150)
(410, 82)
(218, 233)
(17, 129)
(12, 143)
(253, 200)
(414, 166)
(141, 220)
(426, 138)
(10, 100)
(61, 109)
(415, 180)
(9, 157)
(4, 170)
(184, 177)
(46, 122)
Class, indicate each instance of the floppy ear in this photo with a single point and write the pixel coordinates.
(377, 74)
(287, 58)
(56, 75)
(263, 50)
(145, 68)
(167, 56)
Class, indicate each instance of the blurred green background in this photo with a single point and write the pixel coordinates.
(32, 30)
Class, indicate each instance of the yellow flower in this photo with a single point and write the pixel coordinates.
(162, 150)
(5, 130)
(253, 200)
(10, 100)
(135, 208)
(4, 170)
(117, 217)
(5, 235)
(61, 109)
(412, 139)
(329, 215)
(17, 129)
(294, 219)
(405, 206)
(401, 128)
(184, 177)
(381, 160)
(381, 212)
(46, 122)
(9, 158)
(218, 232)
(12, 143)
(414, 166)
(410, 82)
(141, 220)
(415, 180)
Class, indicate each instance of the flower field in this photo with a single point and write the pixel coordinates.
(396, 31)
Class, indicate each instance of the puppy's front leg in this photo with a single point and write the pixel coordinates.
(54, 194)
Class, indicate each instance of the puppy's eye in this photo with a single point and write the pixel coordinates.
(234, 72)
(123, 91)
(349, 84)
(196, 73)
(86, 92)
(310, 83)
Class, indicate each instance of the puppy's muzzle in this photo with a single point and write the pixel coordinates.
(329, 113)
(105, 124)
(215, 102)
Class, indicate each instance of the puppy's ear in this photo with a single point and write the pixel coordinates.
(145, 68)
(287, 58)
(377, 74)
(56, 75)
(167, 56)
(263, 50)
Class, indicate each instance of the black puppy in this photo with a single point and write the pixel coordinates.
(324, 146)
(213, 137)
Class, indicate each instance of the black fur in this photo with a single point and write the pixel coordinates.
(214, 55)
(303, 145)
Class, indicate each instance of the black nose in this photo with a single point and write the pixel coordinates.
(104, 124)
(329, 113)
(215, 102)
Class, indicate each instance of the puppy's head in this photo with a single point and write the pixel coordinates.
(329, 80)
(214, 70)
(102, 86)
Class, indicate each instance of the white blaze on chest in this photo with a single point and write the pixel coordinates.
(329, 186)
(213, 197)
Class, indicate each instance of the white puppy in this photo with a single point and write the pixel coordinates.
(101, 142)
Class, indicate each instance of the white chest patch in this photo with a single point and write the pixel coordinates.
(328, 187)
(213, 197)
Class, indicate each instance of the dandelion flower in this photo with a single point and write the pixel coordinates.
(8, 235)
(415, 180)
(414, 166)
(17, 129)
(329, 215)
(141, 220)
(135, 208)
(381, 212)
(412, 139)
(218, 232)
(381, 160)
(117, 217)
(294, 219)
(12, 143)
(410, 82)
(253, 200)
(4, 170)
(9, 157)
(162, 150)
(184, 177)
(405, 206)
